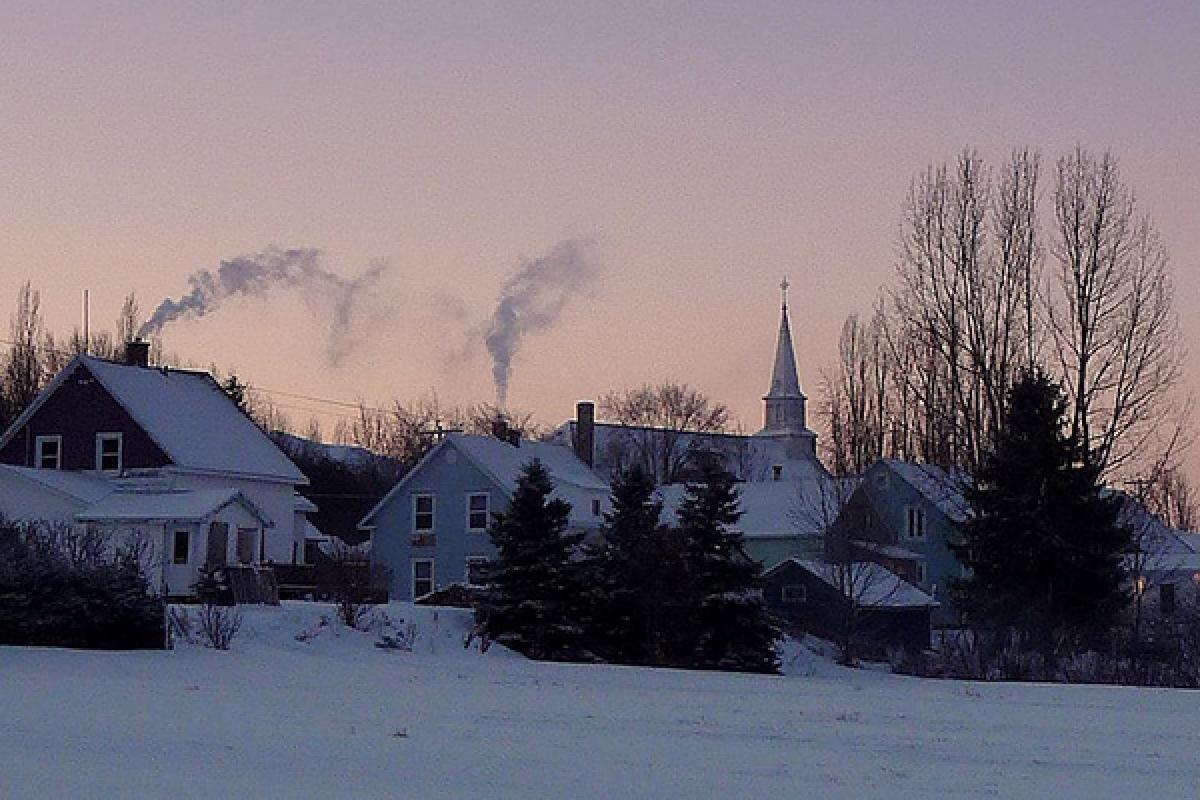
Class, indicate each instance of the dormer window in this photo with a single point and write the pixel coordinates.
(48, 452)
(109, 453)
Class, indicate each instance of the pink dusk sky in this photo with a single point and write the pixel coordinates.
(707, 149)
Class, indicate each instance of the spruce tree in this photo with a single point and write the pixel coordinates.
(1043, 544)
(533, 601)
(729, 626)
(633, 574)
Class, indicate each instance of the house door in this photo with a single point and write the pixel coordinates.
(218, 544)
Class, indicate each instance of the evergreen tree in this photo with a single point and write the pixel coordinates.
(1043, 544)
(633, 575)
(533, 601)
(729, 626)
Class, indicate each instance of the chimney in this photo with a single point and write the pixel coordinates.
(585, 432)
(514, 437)
(137, 353)
(500, 428)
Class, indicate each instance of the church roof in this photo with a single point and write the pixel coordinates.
(785, 382)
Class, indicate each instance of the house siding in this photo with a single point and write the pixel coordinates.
(450, 479)
(77, 411)
(888, 504)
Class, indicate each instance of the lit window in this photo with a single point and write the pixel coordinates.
(48, 450)
(422, 577)
(423, 513)
(477, 512)
(182, 548)
(108, 452)
(477, 570)
(915, 522)
(794, 594)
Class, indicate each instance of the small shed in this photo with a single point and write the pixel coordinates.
(815, 597)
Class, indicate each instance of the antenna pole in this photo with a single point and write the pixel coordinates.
(87, 339)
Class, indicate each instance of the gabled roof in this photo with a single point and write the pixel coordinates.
(877, 586)
(197, 505)
(940, 486)
(187, 415)
(502, 462)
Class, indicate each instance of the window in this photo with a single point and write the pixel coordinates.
(1166, 598)
(477, 512)
(422, 577)
(423, 513)
(246, 539)
(48, 450)
(793, 594)
(477, 570)
(595, 508)
(921, 572)
(108, 452)
(182, 548)
(914, 527)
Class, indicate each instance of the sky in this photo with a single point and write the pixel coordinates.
(704, 151)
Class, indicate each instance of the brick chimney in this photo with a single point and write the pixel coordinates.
(585, 432)
(137, 353)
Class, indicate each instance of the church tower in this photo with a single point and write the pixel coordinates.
(784, 412)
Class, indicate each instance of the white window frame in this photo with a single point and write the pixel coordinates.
(432, 512)
(39, 441)
(467, 567)
(914, 532)
(432, 576)
(175, 547)
(487, 510)
(798, 594)
(110, 437)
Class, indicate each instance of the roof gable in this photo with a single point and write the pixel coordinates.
(187, 415)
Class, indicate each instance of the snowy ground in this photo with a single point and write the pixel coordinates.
(336, 717)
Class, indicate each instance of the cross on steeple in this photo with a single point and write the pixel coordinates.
(783, 286)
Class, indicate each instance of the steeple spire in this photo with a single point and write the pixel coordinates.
(785, 382)
(784, 412)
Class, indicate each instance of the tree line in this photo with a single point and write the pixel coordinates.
(993, 279)
(641, 592)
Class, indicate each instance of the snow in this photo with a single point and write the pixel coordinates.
(770, 509)
(336, 717)
(873, 585)
(194, 505)
(191, 418)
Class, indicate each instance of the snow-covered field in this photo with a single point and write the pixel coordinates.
(336, 717)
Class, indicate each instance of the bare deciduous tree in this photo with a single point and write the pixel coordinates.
(1114, 331)
(660, 422)
(23, 369)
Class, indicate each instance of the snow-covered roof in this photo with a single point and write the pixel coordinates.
(187, 415)
(303, 504)
(85, 487)
(873, 585)
(940, 486)
(771, 509)
(573, 481)
(749, 458)
(195, 505)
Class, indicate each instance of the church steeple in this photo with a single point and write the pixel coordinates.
(784, 380)
(784, 414)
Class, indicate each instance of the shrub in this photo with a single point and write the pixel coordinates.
(62, 589)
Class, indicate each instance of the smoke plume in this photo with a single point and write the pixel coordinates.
(532, 300)
(258, 274)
